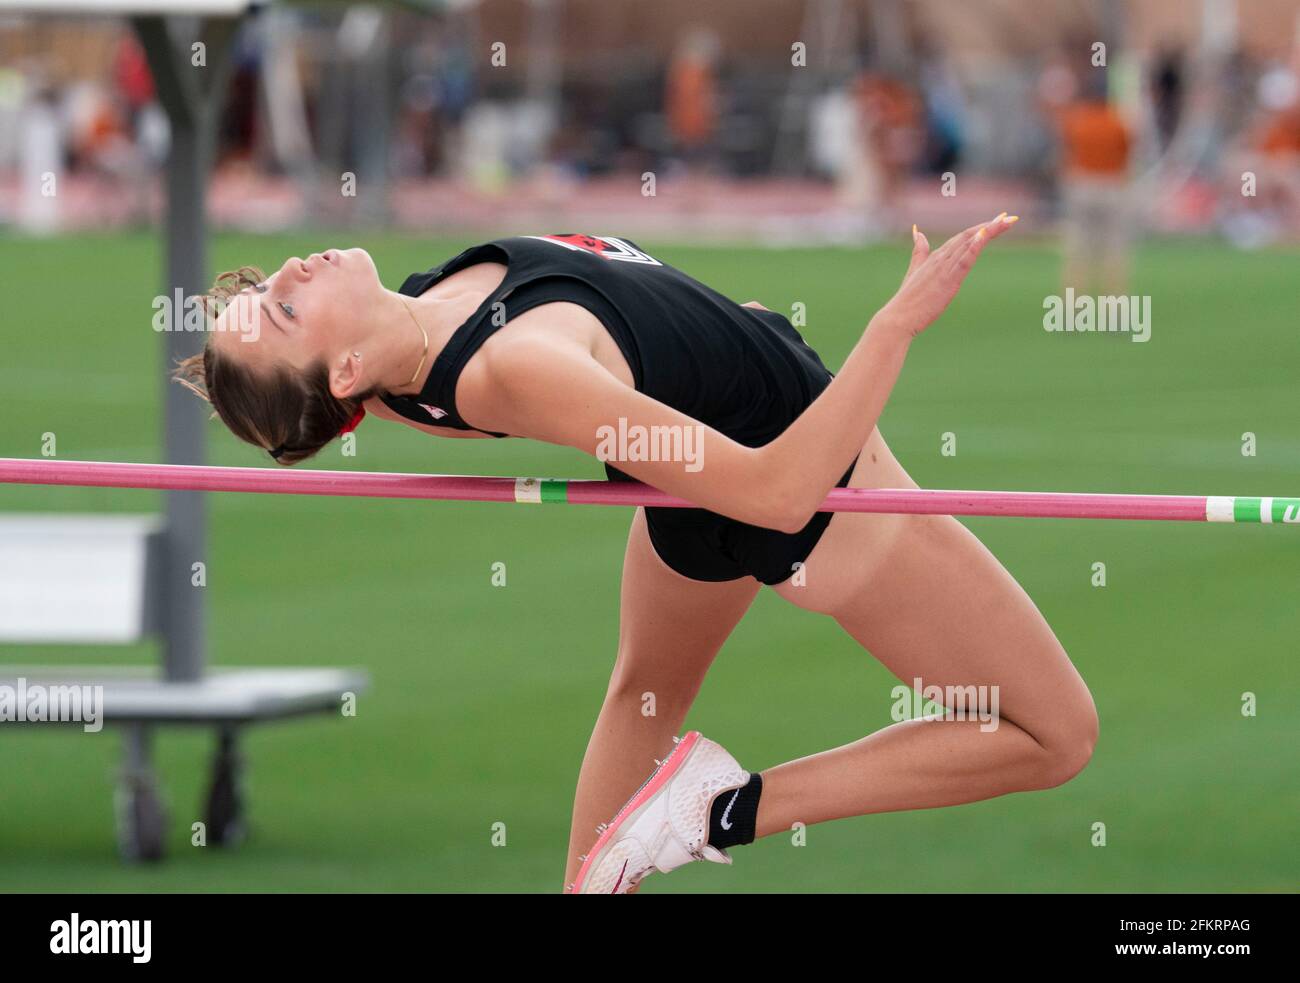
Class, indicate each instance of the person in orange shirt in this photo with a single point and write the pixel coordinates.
(1277, 164)
(1096, 147)
(690, 98)
(890, 114)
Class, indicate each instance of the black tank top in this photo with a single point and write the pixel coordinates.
(747, 373)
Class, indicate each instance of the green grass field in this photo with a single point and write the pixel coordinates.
(483, 697)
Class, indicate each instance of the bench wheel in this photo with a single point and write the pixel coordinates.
(225, 811)
(141, 816)
(141, 819)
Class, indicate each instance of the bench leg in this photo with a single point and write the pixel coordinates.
(141, 817)
(225, 810)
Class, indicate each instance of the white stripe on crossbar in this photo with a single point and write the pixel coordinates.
(1220, 508)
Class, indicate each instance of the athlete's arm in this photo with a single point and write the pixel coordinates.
(545, 385)
(818, 447)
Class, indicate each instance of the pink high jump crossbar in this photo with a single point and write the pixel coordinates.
(465, 488)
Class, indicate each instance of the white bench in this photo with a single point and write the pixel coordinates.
(75, 578)
(85, 579)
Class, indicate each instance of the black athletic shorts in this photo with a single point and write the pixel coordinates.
(704, 545)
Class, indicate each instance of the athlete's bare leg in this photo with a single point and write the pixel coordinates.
(926, 598)
(670, 628)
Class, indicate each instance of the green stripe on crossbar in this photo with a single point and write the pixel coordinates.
(1245, 509)
(1286, 510)
(555, 491)
(1248, 509)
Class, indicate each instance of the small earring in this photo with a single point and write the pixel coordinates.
(357, 356)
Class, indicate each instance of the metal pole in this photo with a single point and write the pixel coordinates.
(191, 95)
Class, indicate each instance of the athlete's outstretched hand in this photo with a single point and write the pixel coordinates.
(933, 278)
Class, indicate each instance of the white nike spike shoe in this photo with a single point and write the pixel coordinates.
(666, 823)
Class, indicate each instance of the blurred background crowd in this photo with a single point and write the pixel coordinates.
(772, 120)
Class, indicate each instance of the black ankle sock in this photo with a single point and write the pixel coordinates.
(734, 814)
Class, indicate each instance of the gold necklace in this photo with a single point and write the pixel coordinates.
(424, 354)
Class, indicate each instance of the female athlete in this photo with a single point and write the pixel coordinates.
(568, 338)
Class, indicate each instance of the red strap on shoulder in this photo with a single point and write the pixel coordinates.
(352, 424)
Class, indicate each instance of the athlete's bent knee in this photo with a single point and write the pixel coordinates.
(651, 694)
(1069, 753)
